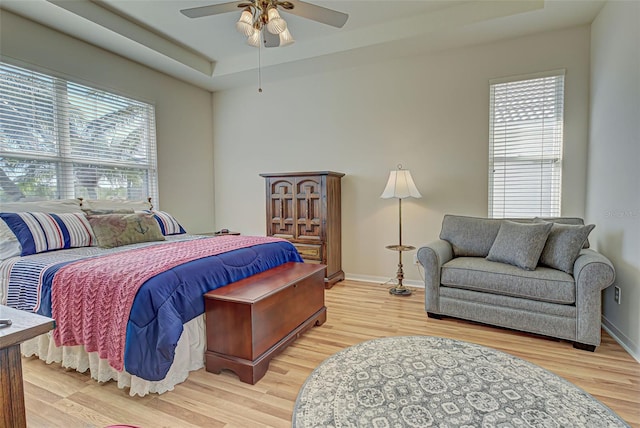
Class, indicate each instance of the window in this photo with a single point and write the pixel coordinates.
(525, 146)
(59, 139)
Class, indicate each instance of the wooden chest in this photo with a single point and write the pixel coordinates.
(250, 321)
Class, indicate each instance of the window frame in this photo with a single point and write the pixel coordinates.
(549, 160)
(63, 161)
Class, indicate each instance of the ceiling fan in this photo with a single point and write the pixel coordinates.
(259, 14)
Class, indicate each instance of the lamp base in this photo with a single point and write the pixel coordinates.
(400, 291)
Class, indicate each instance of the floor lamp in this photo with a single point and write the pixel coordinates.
(400, 185)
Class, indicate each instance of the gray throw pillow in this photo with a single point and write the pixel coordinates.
(469, 236)
(519, 244)
(563, 245)
(565, 220)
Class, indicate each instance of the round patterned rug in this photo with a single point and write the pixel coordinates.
(421, 381)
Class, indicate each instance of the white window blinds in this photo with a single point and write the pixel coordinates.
(59, 139)
(525, 146)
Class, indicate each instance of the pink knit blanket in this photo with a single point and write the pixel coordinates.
(91, 299)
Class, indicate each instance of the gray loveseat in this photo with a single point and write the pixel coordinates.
(478, 270)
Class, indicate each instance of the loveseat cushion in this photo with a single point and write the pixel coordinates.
(476, 273)
(469, 236)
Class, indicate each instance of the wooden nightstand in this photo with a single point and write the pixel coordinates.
(24, 326)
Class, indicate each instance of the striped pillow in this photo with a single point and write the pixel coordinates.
(39, 232)
(168, 224)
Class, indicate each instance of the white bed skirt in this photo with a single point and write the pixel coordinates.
(189, 356)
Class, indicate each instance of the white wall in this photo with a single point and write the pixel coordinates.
(613, 201)
(183, 112)
(429, 113)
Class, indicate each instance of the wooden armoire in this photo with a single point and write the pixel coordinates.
(305, 208)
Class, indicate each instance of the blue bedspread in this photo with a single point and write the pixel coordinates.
(167, 301)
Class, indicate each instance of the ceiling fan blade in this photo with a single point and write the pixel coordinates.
(214, 9)
(270, 40)
(318, 13)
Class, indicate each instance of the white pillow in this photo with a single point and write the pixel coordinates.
(9, 245)
(115, 204)
(57, 206)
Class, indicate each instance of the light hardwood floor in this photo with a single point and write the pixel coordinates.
(356, 312)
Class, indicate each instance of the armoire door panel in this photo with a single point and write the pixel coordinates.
(308, 207)
(281, 209)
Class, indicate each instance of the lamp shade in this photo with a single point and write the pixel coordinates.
(245, 23)
(254, 39)
(400, 185)
(276, 24)
(286, 38)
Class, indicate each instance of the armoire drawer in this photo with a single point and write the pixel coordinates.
(309, 251)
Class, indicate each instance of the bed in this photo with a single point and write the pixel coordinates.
(150, 291)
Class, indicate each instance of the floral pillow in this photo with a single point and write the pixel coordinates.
(114, 230)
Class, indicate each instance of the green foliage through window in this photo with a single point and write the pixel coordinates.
(60, 139)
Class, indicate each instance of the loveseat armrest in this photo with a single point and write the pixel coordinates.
(593, 269)
(432, 256)
(592, 272)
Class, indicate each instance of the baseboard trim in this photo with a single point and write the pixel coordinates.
(382, 280)
(621, 338)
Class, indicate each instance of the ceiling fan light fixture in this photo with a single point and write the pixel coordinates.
(264, 13)
(254, 38)
(276, 24)
(286, 38)
(245, 23)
